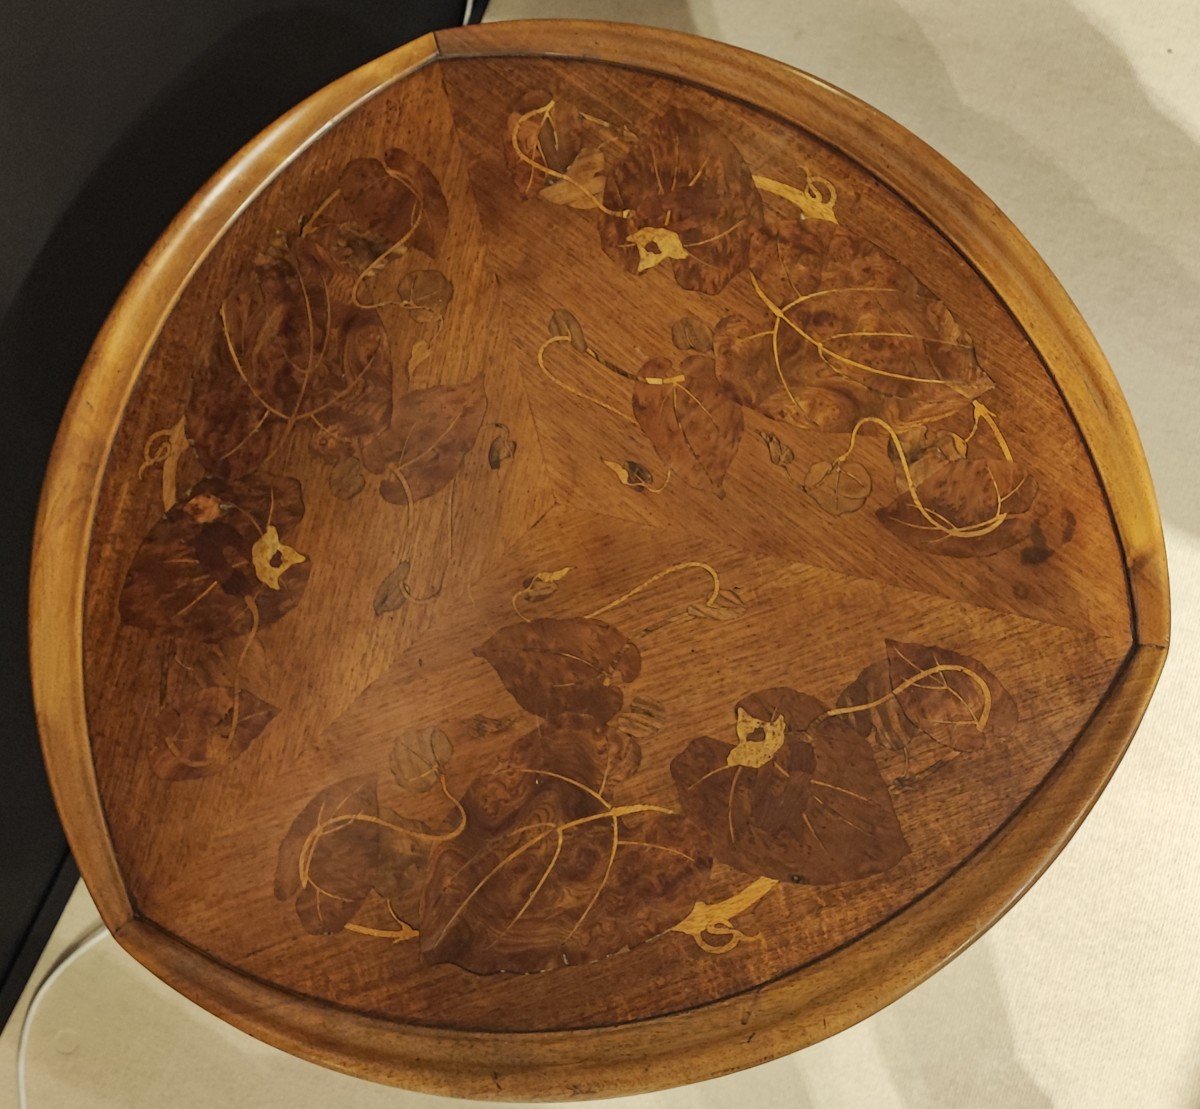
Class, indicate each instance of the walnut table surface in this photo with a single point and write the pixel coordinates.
(583, 560)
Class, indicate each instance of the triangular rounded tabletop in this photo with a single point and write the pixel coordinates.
(585, 559)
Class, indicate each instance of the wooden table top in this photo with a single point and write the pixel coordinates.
(585, 559)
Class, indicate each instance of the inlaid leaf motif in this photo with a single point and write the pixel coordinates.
(346, 479)
(926, 450)
(574, 665)
(778, 451)
(748, 364)
(481, 725)
(289, 346)
(565, 324)
(195, 577)
(644, 718)
(430, 433)
(392, 592)
(225, 422)
(542, 585)
(426, 294)
(847, 333)
(838, 487)
(973, 506)
(390, 204)
(681, 196)
(693, 423)
(550, 871)
(328, 859)
(400, 873)
(502, 447)
(877, 710)
(207, 732)
(845, 303)
(583, 186)
(545, 136)
(798, 797)
(953, 698)
(689, 333)
(418, 758)
(632, 473)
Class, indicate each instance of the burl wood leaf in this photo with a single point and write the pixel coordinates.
(966, 508)
(682, 196)
(430, 433)
(544, 136)
(953, 698)
(873, 321)
(207, 732)
(392, 592)
(328, 859)
(565, 324)
(389, 205)
(876, 710)
(194, 576)
(550, 871)
(502, 447)
(542, 585)
(400, 873)
(926, 450)
(289, 346)
(689, 333)
(798, 797)
(224, 420)
(583, 185)
(847, 332)
(749, 365)
(346, 479)
(417, 759)
(426, 294)
(574, 665)
(838, 487)
(631, 473)
(778, 451)
(693, 423)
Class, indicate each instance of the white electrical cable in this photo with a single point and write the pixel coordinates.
(68, 957)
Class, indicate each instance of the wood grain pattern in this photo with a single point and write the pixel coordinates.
(598, 574)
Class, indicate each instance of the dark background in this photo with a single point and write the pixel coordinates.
(112, 114)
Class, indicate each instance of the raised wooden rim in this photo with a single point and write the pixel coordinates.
(761, 1024)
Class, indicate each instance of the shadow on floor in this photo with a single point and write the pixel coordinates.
(950, 1041)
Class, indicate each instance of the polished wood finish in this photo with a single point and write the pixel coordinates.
(584, 560)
